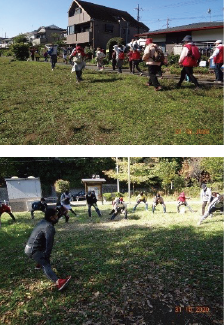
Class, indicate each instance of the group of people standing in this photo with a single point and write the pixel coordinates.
(40, 243)
(189, 59)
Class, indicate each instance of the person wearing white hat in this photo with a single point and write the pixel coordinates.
(217, 56)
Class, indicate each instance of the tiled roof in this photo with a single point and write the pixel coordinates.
(108, 14)
(190, 27)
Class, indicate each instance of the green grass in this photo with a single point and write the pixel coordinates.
(39, 106)
(133, 271)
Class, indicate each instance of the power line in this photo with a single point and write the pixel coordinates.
(180, 4)
(181, 18)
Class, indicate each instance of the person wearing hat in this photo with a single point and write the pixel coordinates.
(40, 244)
(217, 56)
(153, 67)
(78, 55)
(188, 61)
(206, 195)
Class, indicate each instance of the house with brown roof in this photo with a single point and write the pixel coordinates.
(202, 33)
(94, 25)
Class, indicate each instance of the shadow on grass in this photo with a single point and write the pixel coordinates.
(106, 80)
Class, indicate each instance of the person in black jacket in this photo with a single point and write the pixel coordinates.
(40, 244)
(38, 206)
(92, 201)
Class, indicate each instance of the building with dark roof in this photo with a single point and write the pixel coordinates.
(46, 35)
(94, 25)
(205, 32)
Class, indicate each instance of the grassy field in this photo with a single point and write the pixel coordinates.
(136, 271)
(39, 106)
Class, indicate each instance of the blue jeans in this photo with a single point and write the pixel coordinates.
(218, 71)
(40, 258)
(96, 209)
(146, 205)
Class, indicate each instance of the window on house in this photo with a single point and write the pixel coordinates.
(78, 11)
(109, 28)
(71, 29)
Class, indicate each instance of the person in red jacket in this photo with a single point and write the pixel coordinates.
(136, 56)
(130, 60)
(187, 61)
(217, 56)
(182, 201)
(78, 55)
(6, 209)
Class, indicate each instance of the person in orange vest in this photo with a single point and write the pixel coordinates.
(188, 59)
(217, 56)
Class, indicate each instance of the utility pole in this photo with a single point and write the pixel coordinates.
(167, 23)
(129, 182)
(138, 14)
(117, 168)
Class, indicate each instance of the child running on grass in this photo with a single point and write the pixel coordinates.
(40, 245)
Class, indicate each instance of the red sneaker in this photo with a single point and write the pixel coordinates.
(63, 282)
(38, 266)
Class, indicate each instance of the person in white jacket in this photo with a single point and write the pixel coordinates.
(215, 205)
(217, 56)
(153, 67)
(206, 195)
(119, 49)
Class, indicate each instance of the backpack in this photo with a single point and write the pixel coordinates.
(194, 52)
(78, 58)
(158, 55)
(121, 55)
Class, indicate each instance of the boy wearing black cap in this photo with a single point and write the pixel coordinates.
(40, 245)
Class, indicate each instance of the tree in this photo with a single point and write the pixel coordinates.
(140, 172)
(61, 186)
(166, 171)
(20, 47)
(213, 165)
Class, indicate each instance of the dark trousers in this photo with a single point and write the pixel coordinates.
(53, 60)
(79, 75)
(218, 71)
(96, 209)
(130, 65)
(153, 70)
(114, 63)
(40, 259)
(189, 72)
(135, 64)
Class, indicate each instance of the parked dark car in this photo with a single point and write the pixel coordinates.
(79, 196)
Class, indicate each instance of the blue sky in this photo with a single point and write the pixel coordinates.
(25, 15)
